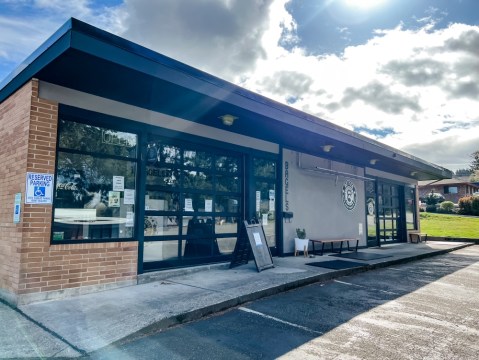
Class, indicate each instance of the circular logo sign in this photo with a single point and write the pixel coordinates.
(349, 194)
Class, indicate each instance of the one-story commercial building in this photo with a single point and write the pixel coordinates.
(116, 161)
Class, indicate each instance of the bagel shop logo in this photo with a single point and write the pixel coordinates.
(39, 188)
(349, 195)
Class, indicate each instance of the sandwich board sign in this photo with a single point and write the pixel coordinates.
(252, 241)
(39, 188)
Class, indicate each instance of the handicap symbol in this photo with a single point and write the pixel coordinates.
(39, 191)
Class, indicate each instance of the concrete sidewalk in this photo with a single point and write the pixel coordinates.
(76, 326)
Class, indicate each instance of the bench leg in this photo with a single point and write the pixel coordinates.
(341, 247)
(322, 249)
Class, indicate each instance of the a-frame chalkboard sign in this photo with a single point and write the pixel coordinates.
(252, 240)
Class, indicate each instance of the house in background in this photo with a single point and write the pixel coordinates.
(451, 189)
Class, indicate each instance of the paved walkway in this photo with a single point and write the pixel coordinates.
(79, 325)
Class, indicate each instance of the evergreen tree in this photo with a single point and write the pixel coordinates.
(463, 172)
(475, 161)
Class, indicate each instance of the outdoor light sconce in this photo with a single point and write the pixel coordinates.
(228, 119)
(413, 173)
(327, 148)
(373, 161)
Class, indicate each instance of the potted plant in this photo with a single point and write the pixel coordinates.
(301, 242)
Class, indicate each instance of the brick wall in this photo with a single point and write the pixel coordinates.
(35, 269)
(14, 123)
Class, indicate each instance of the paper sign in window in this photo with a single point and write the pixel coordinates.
(118, 183)
(129, 197)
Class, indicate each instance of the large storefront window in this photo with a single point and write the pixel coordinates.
(95, 183)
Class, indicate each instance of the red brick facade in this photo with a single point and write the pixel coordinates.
(30, 267)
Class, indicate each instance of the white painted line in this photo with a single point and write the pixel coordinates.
(280, 321)
(366, 287)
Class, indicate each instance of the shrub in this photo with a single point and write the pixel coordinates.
(447, 207)
(475, 205)
(469, 205)
(431, 208)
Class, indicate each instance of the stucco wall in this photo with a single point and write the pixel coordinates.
(315, 198)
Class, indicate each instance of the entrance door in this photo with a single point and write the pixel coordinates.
(389, 213)
(372, 233)
(264, 174)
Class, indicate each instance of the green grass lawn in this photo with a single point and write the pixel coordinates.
(443, 225)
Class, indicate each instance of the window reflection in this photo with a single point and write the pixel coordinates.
(95, 195)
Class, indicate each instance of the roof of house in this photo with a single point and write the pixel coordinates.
(84, 58)
(453, 181)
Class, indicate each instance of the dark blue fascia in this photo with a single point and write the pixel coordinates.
(53, 47)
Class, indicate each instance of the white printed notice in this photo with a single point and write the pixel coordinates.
(189, 204)
(39, 188)
(129, 197)
(130, 217)
(208, 205)
(118, 183)
(257, 239)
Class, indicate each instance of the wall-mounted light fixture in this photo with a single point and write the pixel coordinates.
(413, 173)
(327, 148)
(373, 161)
(228, 119)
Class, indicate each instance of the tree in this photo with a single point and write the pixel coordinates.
(463, 172)
(475, 161)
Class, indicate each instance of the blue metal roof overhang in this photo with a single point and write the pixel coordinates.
(82, 57)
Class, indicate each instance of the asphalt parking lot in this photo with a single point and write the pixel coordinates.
(427, 309)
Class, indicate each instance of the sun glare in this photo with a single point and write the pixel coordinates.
(364, 4)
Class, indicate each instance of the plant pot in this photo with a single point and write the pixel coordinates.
(301, 245)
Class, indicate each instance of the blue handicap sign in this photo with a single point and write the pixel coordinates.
(39, 190)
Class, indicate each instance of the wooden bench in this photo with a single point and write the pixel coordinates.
(417, 237)
(332, 242)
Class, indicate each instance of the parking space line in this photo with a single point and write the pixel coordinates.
(366, 287)
(280, 321)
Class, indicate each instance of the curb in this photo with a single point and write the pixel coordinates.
(197, 314)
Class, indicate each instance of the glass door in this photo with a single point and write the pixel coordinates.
(389, 213)
(372, 233)
(193, 204)
(264, 179)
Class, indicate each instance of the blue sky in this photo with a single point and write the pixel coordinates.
(404, 72)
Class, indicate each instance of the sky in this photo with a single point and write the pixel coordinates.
(403, 72)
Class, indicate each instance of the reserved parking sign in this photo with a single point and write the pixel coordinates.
(39, 188)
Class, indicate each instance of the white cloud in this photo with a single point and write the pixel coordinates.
(26, 24)
(219, 36)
